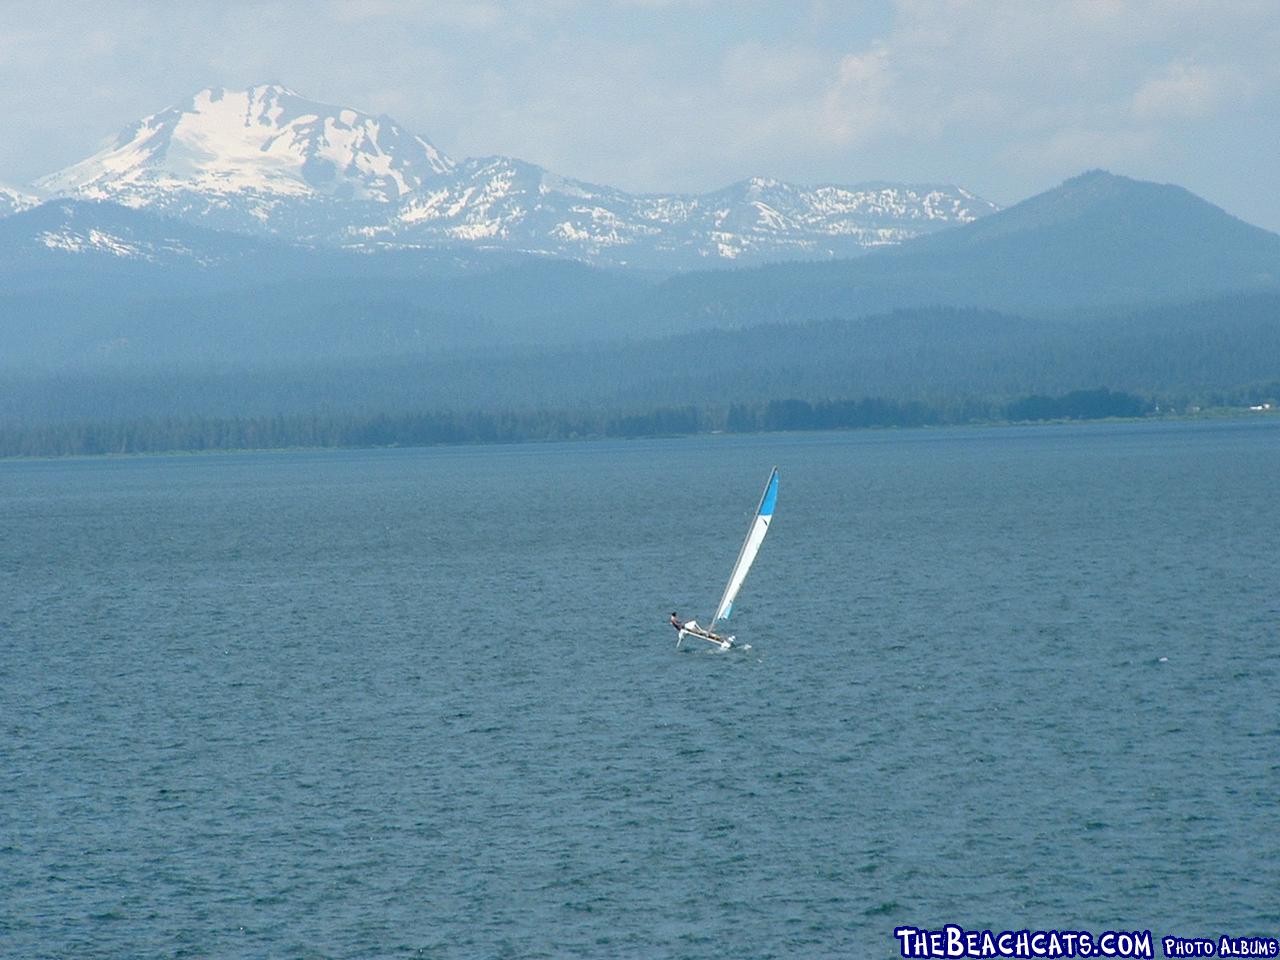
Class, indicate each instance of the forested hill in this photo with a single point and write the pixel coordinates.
(1098, 240)
(1188, 353)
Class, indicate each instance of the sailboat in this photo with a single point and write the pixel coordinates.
(746, 556)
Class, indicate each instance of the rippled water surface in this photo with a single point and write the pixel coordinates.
(425, 702)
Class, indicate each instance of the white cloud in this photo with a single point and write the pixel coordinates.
(855, 105)
(469, 14)
(1069, 150)
(1181, 90)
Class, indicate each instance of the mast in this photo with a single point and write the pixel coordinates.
(750, 547)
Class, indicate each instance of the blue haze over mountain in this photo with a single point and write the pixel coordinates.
(83, 274)
(1098, 239)
(439, 308)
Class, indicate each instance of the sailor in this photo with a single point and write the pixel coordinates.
(675, 622)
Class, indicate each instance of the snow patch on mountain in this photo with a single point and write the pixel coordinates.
(97, 240)
(13, 200)
(98, 228)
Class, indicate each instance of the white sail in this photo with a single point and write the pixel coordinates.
(750, 547)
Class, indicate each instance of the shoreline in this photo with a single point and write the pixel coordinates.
(1224, 414)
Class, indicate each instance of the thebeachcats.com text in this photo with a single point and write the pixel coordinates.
(954, 942)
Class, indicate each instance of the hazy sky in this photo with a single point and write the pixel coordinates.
(1005, 97)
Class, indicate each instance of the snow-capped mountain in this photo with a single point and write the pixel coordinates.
(506, 203)
(266, 161)
(15, 201)
(264, 140)
(261, 159)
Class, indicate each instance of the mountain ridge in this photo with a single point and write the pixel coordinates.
(89, 273)
(267, 161)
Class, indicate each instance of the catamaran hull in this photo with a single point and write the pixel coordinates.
(724, 643)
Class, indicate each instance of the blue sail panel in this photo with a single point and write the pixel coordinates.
(770, 496)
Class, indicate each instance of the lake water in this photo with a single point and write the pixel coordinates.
(426, 702)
